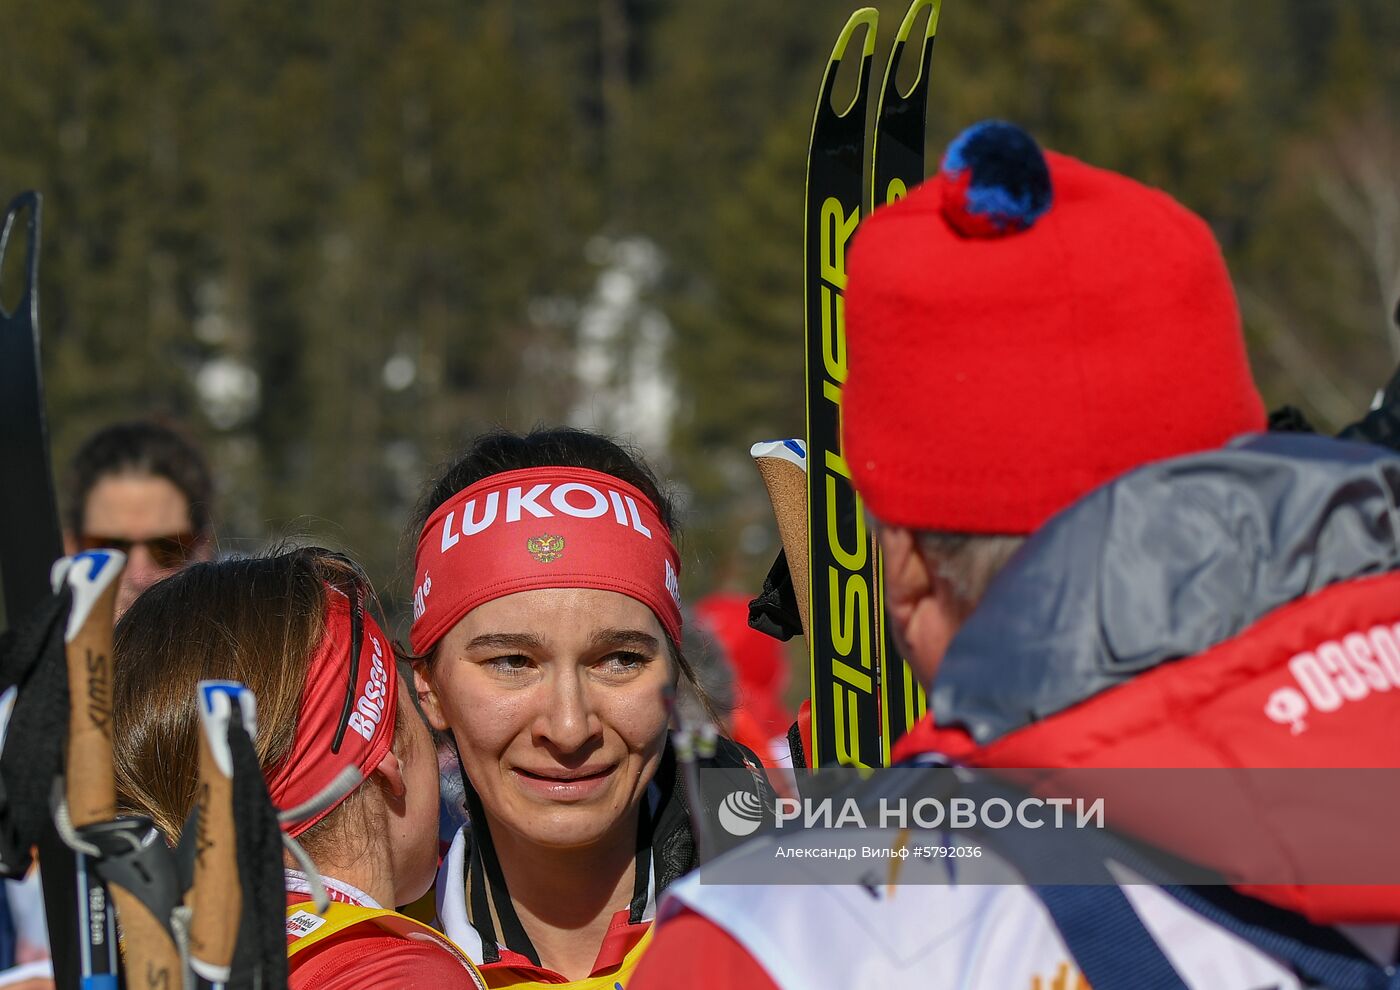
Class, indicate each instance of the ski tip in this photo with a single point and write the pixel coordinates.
(90, 574)
(33, 203)
(218, 701)
(29, 198)
(794, 451)
(906, 27)
(867, 17)
(995, 181)
(890, 88)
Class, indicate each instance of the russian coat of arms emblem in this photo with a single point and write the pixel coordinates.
(545, 548)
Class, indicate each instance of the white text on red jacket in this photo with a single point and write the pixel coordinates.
(1335, 672)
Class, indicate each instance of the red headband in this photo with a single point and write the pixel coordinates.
(310, 765)
(551, 527)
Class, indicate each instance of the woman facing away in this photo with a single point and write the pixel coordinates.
(284, 626)
(545, 642)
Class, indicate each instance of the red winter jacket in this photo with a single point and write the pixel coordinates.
(1234, 609)
(1237, 609)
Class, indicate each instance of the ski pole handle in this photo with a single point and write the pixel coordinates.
(91, 789)
(150, 959)
(783, 465)
(140, 872)
(216, 897)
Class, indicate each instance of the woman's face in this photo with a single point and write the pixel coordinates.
(556, 700)
(414, 823)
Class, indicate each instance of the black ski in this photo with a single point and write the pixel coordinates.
(30, 541)
(842, 635)
(897, 165)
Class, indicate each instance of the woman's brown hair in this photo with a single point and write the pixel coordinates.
(257, 621)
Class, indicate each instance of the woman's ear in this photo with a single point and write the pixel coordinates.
(391, 770)
(427, 697)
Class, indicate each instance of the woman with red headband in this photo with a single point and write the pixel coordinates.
(546, 639)
(295, 630)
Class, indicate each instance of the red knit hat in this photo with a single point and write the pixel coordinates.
(1021, 329)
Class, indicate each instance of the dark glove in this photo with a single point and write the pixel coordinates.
(774, 611)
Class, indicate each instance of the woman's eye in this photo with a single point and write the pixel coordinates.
(513, 664)
(624, 662)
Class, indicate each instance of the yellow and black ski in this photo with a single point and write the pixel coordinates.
(897, 156)
(842, 637)
(864, 697)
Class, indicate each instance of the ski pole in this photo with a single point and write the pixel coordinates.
(149, 957)
(90, 790)
(140, 872)
(216, 897)
(692, 742)
(783, 466)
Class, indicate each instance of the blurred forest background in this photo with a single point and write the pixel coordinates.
(336, 239)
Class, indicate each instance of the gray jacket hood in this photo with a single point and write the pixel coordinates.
(1163, 563)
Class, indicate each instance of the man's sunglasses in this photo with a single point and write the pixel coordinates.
(172, 550)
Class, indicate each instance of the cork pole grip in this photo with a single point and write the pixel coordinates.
(91, 791)
(150, 959)
(216, 898)
(787, 490)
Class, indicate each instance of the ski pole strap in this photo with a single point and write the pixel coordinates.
(260, 955)
(139, 869)
(1115, 950)
(1322, 956)
(775, 611)
(1108, 940)
(32, 659)
(32, 761)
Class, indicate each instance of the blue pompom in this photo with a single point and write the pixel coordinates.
(996, 181)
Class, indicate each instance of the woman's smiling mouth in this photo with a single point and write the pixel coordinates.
(562, 783)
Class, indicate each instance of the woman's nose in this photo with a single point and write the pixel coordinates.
(569, 719)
